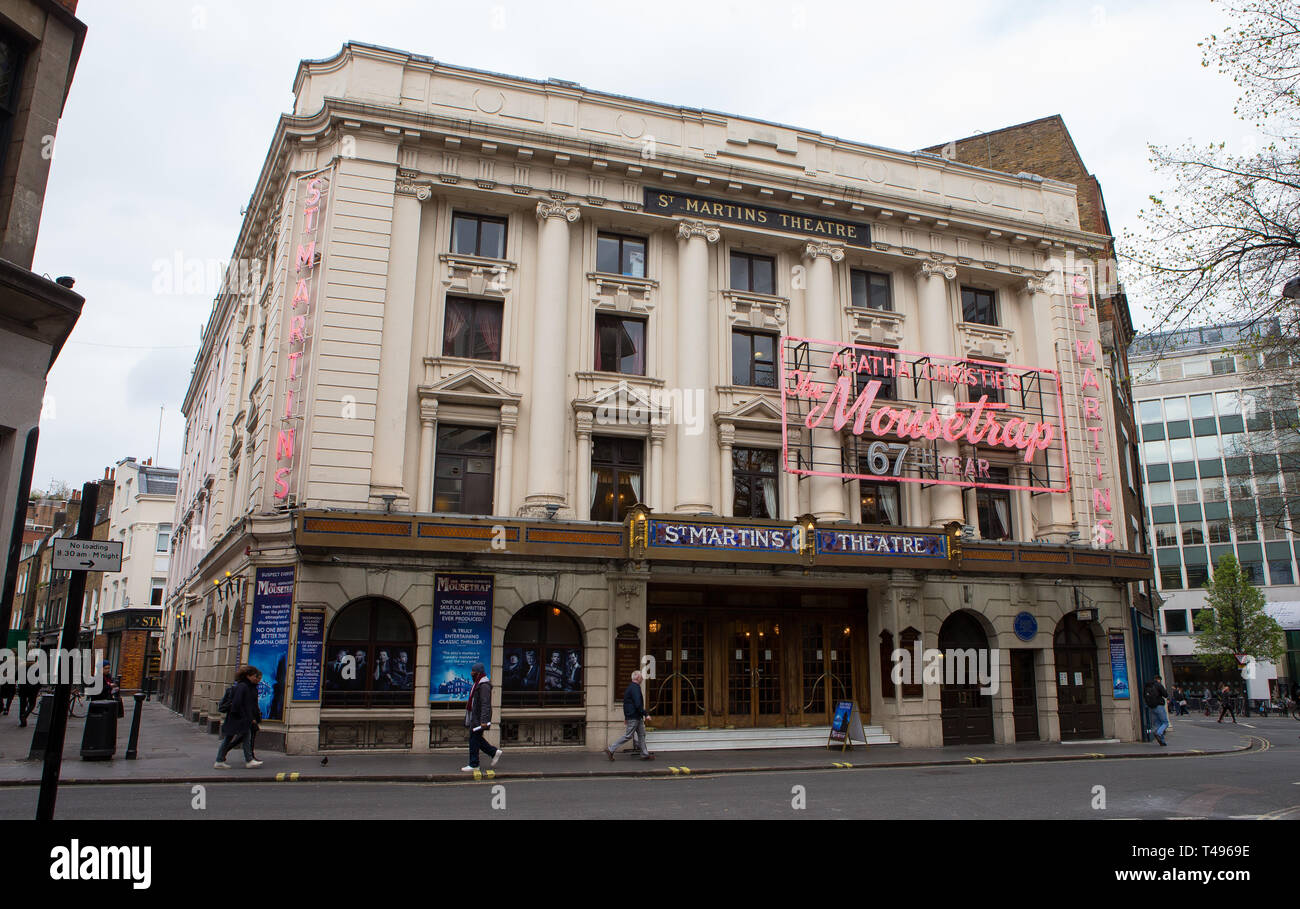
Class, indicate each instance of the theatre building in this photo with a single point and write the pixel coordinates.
(572, 383)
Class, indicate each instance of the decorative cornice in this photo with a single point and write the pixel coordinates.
(832, 251)
(688, 229)
(423, 192)
(556, 208)
(1037, 286)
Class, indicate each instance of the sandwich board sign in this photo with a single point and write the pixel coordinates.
(88, 555)
(846, 726)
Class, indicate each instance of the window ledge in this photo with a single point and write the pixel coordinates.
(603, 277)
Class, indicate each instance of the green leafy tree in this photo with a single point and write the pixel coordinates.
(1236, 621)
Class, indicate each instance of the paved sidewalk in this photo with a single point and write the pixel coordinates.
(175, 750)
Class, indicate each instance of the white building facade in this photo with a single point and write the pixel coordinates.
(510, 369)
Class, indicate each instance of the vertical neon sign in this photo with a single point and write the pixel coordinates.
(306, 272)
(1085, 356)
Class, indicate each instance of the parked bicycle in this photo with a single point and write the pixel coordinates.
(76, 701)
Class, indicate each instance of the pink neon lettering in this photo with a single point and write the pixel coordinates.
(309, 221)
(288, 403)
(284, 445)
(1101, 500)
(1085, 350)
(1099, 468)
(281, 485)
(306, 255)
(296, 327)
(1090, 378)
(300, 293)
(1091, 409)
(313, 191)
(1081, 307)
(293, 364)
(1107, 536)
(1096, 435)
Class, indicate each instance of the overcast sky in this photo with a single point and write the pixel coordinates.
(173, 105)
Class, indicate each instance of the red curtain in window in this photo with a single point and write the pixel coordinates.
(490, 331)
(457, 314)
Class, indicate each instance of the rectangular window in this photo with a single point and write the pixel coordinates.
(1195, 366)
(1181, 450)
(1193, 534)
(978, 306)
(871, 290)
(753, 274)
(1246, 529)
(1197, 575)
(990, 382)
(1171, 371)
(1175, 621)
(472, 329)
(1187, 492)
(881, 368)
(156, 591)
(1150, 412)
(1175, 409)
(1207, 447)
(1280, 572)
(164, 538)
(1229, 402)
(755, 483)
(464, 469)
(1156, 452)
(619, 255)
(753, 359)
(1202, 406)
(994, 507)
(1254, 571)
(1166, 534)
(1212, 490)
(616, 470)
(1219, 531)
(478, 235)
(880, 502)
(620, 344)
(1171, 577)
(1222, 366)
(1160, 494)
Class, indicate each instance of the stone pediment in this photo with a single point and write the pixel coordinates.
(469, 386)
(757, 412)
(620, 398)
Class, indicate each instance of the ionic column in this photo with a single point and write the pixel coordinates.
(583, 501)
(506, 465)
(726, 489)
(546, 416)
(821, 321)
(693, 359)
(428, 421)
(1051, 512)
(655, 495)
(936, 323)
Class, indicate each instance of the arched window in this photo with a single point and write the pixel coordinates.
(542, 662)
(370, 656)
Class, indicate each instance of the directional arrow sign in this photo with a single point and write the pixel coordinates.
(88, 555)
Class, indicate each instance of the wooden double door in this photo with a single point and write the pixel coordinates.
(724, 669)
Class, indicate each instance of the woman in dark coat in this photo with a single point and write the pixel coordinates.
(243, 716)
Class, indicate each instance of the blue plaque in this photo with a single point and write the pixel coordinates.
(1026, 626)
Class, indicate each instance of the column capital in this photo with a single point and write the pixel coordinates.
(832, 251)
(406, 186)
(688, 229)
(584, 419)
(936, 267)
(509, 417)
(658, 432)
(556, 208)
(1037, 285)
(428, 408)
(726, 433)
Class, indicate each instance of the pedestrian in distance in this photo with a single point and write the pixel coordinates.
(106, 689)
(1225, 695)
(478, 718)
(634, 715)
(7, 692)
(1155, 696)
(243, 716)
(28, 692)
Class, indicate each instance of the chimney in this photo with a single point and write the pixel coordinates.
(107, 475)
(76, 495)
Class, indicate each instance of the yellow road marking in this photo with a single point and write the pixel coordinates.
(977, 760)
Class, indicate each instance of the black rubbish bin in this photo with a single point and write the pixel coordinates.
(44, 704)
(99, 742)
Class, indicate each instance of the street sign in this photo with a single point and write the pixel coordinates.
(87, 555)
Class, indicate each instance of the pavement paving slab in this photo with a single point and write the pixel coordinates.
(172, 749)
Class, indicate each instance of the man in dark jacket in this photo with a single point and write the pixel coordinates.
(634, 717)
(478, 718)
(1155, 696)
(240, 721)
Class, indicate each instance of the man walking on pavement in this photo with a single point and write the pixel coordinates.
(1155, 696)
(634, 716)
(478, 718)
(1225, 695)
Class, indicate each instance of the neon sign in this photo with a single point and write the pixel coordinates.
(877, 413)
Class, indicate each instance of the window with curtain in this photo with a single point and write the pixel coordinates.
(464, 469)
(617, 467)
(880, 502)
(994, 507)
(754, 480)
(472, 329)
(620, 344)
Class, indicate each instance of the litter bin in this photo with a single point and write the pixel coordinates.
(99, 741)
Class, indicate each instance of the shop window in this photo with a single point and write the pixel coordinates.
(370, 656)
(994, 507)
(616, 472)
(472, 329)
(978, 306)
(755, 482)
(880, 502)
(619, 255)
(478, 235)
(542, 659)
(871, 290)
(463, 470)
(620, 344)
(753, 359)
(753, 274)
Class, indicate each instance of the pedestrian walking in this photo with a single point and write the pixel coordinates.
(7, 692)
(1182, 703)
(1225, 695)
(1155, 696)
(478, 718)
(634, 715)
(243, 716)
(28, 691)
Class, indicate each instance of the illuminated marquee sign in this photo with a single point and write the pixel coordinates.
(312, 190)
(668, 202)
(691, 535)
(857, 411)
(874, 542)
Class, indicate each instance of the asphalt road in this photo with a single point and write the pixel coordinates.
(1259, 784)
